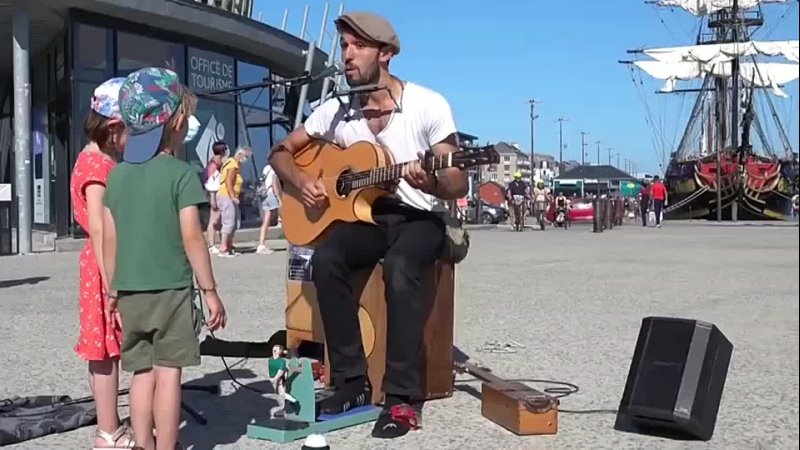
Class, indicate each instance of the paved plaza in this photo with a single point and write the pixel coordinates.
(574, 299)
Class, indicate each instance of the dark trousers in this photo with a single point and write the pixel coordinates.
(658, 206)
(643, 207)
(409, 241)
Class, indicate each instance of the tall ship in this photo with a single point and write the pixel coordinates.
(734, 159)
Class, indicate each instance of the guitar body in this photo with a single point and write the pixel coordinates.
(327, 161)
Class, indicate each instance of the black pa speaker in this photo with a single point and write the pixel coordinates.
(676, 379)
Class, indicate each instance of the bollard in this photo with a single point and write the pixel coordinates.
(612, 214)
(596, 221)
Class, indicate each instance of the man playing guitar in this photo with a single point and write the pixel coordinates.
(408, 236)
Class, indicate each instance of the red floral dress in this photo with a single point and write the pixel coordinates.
(96, 341)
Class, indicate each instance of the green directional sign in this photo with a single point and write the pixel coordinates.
(629, 188)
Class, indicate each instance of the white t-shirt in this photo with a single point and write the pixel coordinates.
(269, 177)
(425, 119)
(268, 174)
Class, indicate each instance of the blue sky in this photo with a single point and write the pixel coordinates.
(489, 57)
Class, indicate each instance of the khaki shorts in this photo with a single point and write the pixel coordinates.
(230, 216)
(158, 329)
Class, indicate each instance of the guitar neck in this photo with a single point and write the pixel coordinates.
(483, 375)
(382, 175)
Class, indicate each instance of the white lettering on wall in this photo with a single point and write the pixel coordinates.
(209, 74)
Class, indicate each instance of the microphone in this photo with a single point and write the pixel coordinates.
(336, 68)
(365, 89)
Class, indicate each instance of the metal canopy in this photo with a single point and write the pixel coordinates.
(282, 52)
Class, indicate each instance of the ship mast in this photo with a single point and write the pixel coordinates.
(735, 80)
(729, 30)
(721, 96)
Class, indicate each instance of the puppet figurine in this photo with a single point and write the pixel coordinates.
(279, 372)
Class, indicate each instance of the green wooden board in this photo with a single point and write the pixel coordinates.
(301, 387)
(363, 415)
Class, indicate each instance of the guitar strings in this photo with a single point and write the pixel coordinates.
(379, 172)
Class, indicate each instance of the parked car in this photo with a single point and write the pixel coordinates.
(580, 211)
(490, 214)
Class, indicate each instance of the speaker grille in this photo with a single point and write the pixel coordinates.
(662, 365)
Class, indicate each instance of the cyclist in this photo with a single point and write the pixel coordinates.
(541, 198)
(517, 193)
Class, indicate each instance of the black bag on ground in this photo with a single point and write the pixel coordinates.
(26, 418)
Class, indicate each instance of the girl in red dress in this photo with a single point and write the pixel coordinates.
(99, 343)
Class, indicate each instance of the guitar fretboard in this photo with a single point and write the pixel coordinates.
(386, 174)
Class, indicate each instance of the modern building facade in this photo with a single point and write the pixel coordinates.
(545, 168)
(512, 160)
(71, 46)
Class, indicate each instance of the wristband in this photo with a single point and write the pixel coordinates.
(204, 290)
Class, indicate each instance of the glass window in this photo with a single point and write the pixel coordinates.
(91, 45)
(254, 115)
(135, 52)
(250, 74)
(82, 93)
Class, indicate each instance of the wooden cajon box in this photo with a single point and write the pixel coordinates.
(303, 323)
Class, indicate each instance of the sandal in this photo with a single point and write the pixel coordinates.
(122, 436)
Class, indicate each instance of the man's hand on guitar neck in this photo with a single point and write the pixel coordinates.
(417, 177)
(450, 183)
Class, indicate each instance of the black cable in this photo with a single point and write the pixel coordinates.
(235, 381)
(230, 375)
(565, 390)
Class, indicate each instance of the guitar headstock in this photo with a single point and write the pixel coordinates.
(475, 156)
(464, 158)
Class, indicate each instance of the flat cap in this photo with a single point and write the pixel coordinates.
(371, 27)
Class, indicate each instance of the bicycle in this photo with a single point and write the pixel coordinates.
(518, 202)
(541, 210)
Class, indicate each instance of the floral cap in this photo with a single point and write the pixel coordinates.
(147, 100)
(105, 100)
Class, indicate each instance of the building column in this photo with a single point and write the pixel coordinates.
(22, 126)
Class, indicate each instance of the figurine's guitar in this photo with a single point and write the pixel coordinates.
(354, 179)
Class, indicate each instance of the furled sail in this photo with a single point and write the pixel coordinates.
(767, 74)
(718, 53)
(706, 7)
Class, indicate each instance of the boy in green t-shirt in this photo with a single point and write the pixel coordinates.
(153, 242)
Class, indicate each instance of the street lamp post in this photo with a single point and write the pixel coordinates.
(533, 102)
(561, 121)
(583, 147)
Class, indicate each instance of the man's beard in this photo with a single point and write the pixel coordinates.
(370, 75)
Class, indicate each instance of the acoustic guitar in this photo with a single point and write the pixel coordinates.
(354, 178)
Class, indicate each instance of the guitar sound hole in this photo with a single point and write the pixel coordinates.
(343, 185)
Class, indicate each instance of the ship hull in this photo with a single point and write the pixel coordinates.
(759, 189)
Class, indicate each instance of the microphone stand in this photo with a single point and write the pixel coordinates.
(289, 82)
(359, 90)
